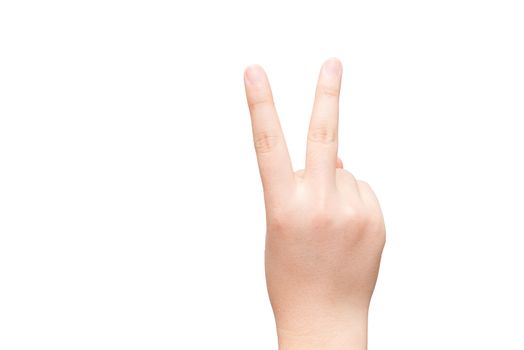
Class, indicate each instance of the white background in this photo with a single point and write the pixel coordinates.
(131, 211)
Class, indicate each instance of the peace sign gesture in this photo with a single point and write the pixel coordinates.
(325, 229)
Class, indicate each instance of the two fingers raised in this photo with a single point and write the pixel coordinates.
(272, 155)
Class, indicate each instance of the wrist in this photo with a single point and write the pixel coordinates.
(324, 332)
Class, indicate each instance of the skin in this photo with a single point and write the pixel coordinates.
(325, 229)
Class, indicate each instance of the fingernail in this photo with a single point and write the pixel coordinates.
(333, 67)
(254, 74)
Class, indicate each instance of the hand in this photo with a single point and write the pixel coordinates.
(325, 229)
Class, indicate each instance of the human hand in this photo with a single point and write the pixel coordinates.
(325, 229)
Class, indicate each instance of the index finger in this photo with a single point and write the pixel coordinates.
(273, 159)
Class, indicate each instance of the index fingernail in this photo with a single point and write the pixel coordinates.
(254, 74)
(332, 67)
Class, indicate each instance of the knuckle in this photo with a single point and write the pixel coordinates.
(322, 134)
(322, 218)
(329, 90)
(367, 224)
(281, 221)
(323, 214)
(363, 220)
(356, 218)
(255, 102)
(265, 141)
